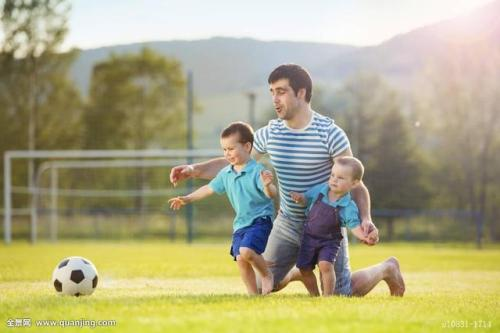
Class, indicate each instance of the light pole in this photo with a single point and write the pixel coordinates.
(189, 139)
(143, 84)
(251, 108)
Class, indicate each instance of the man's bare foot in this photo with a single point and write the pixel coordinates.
(394, 278)
(267, 283)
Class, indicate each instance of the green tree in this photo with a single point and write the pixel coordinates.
(33, 31)
(33, 27)
(360, 101)
(395, 171)
(59, 104)
(371, 113)
(137, 101)
(40, 107)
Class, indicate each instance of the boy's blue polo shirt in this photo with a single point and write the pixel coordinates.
(245, 192)
(348, 211)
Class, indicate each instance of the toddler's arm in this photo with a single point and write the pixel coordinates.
(266, 177)
(203, 192)
(299, 198)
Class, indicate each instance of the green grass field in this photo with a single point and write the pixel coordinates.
(160, 287)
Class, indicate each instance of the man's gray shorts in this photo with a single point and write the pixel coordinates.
(283, 247)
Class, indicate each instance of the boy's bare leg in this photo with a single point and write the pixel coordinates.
(247, 275)
(364, 280)
(295, 275)
(321, 283)
(258, 262)
(327, 277)
(309, 280)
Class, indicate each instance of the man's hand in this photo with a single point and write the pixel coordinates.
(266, 177)
(370, 231)
(372, 238)
(177, 202)
(367, 226)
(180, 173)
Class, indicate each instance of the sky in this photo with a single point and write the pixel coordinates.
(96, 23)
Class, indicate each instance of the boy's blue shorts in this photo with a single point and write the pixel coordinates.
(254, 236)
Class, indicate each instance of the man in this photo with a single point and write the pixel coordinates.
(302, 146)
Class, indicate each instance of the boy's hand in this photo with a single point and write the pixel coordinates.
(177, 202)
(181, 172)
(297, 197)
(266, 177)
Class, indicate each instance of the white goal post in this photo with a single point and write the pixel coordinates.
(83, 159)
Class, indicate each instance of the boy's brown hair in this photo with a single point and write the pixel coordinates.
(356, 166)
(244, 130)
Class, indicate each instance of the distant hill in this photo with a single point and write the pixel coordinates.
(402, 56)
(226, 68)
(220, 65)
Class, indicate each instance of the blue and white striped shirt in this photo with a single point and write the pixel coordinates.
(301, 158)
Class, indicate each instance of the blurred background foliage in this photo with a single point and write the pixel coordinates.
(421, 110)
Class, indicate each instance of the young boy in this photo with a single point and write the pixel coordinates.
(249, 188)
(330, 207)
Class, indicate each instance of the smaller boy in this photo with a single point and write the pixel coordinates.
(249, 188)
(330, 207)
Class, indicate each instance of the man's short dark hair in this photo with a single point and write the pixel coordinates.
(244, 130)
(297, 76)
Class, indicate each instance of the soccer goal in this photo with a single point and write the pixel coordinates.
(74, 190)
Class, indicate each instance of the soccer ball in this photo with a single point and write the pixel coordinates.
(75, 276)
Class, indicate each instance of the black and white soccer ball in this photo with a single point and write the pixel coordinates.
(75, 276)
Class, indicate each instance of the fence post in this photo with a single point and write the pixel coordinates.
(390, 228)
(479, 229)
(190, 185)
(407, 228)
(7, 222)
(53, 204)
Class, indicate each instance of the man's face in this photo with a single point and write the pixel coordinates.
(286, 103)
(341, 179)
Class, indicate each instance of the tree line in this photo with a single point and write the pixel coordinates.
(136, 101)
(435, 147)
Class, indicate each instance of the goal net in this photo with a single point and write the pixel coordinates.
(108, 194)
